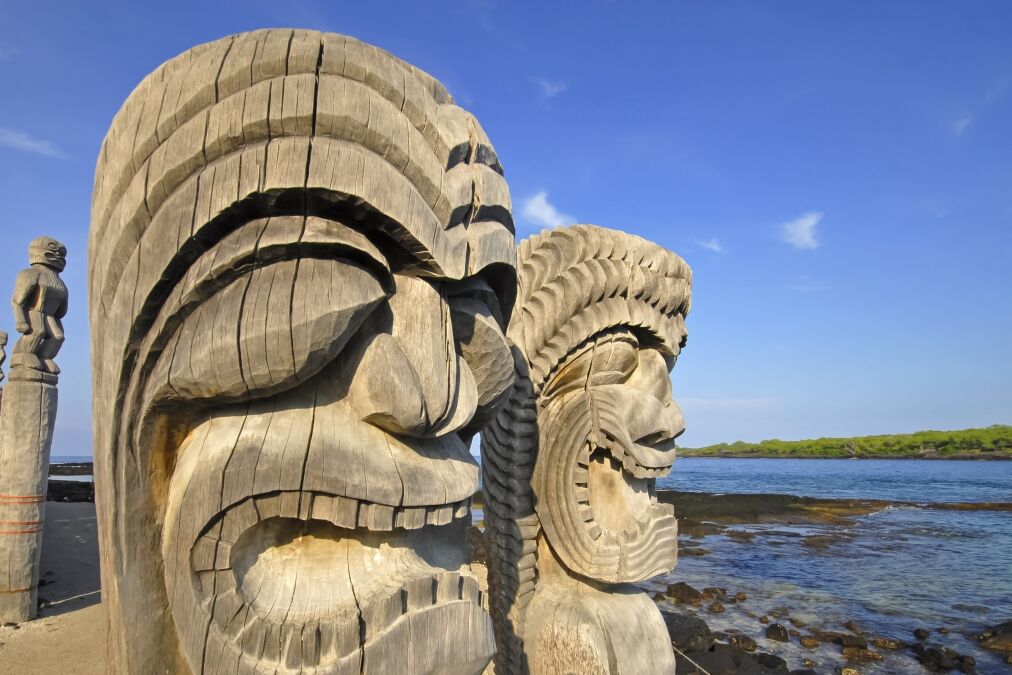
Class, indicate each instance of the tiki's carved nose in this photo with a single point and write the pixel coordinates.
(411, 380)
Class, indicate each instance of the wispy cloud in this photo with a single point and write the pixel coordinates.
(960, 125)
(995, 91)
(801, 232)
(539, 211)
(19, 140)
(805, 284)
(549, 88)
(711, 244)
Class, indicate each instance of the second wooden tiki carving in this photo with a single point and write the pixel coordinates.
(570, 463)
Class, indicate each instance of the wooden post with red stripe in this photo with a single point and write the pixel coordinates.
(27, 417)
(26, 433)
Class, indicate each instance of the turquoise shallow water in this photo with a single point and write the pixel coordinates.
(891, 571)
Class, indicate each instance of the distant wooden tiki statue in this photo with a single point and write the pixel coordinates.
(301, 259)
(27, 420)
(570, 463)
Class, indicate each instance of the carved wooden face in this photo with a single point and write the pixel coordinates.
(324, 524)
(294, 267)
(49, 252)
(608, 427)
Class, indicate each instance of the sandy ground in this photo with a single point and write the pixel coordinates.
(69, 635)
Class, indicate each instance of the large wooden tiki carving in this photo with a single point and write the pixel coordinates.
(570, 462)
(301, 258)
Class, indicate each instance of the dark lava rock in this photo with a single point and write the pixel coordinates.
(740, 535)
(804, 671)
(998, 639)
(860, 654)
(740, 597)
(693, 551)
(688, 632)
(774, 663)
(778, 632)
(888, 643)
(725, 659)
(935, 658)
(70, 491)
(684, 594)
(819, 541)
(808, 663)
(921, 633)
(715, 608)
(764, 619)
(853, 641)
(712, 592)
(793, 632)
(853, 627)
(809, 642)
(830, 636)
(743, 642)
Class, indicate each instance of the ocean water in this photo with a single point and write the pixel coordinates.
(891, 571)
(937, 480)
(72, 459)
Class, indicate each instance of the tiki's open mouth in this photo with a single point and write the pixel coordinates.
(298, 579)
(617, 502)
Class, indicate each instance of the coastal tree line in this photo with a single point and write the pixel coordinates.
(990, 442)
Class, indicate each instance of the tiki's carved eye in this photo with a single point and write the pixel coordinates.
(250, 338)
(609, 359)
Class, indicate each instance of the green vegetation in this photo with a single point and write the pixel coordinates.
(994, 442)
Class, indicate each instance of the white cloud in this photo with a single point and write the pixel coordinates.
(19, 140)
(550, 88)
(800, 232)
(539, 211)
(960, 125)
(711, 244)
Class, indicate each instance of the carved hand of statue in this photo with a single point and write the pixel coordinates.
(23, 328)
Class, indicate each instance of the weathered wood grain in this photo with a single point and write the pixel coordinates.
(570, 460)
(27, 419)
(290, 233)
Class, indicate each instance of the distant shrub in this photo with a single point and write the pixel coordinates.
(996, 439)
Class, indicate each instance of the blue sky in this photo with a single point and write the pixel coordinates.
(838, 174)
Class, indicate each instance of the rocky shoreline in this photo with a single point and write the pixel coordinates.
(990, 457)
(846, 648)
(699, 649)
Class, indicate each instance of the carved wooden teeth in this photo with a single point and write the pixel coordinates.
(634, 468)
(341, 511)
